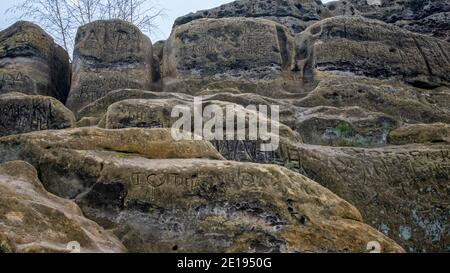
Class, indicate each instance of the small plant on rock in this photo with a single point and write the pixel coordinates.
(4, 247)
(343, 128)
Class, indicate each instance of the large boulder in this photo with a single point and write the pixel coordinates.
(177, 204)
(251, 54)
(401, 190)
(426, 17)
(98, 108)
(403, 102)
(109, 55)
(421, 133)
(296, 15)
(31, 62)
(156, 113)
(348, 126)
(287, 111)
(146, 109)
(146, 143)
(216, 206)
(436, 25)
(33, 220)
(338, 8)
(20, 113)
(359, 46)
(143, 113)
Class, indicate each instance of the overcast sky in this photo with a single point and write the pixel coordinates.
(173, 10)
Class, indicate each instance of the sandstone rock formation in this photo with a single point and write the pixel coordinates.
(335, 44)
(363, 88)
(421, 133)
(88, 122)
(156, 113)
(249, 54)
(31, 62)
(294, 14)
(109, 55)
(158, 51)
(21, 113)
(344, 126)
(33, 220)
(372, 48)
(401, 190)
(164, 202)
(152, 113)
(337, 8)
(147, 143)
(403, 102)
(425, 17)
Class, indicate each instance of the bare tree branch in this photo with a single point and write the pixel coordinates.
(62, 18)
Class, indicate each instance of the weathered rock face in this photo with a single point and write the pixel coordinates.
(158, 53)
(151, 144)
(340, 8)
(146, 109)
(374, 49)
(33, 220)
(403, 179)
(141, 113)
(402, 102)
(156, 113)
(88, 122)
(327, 115)
(437, 25)
(255, 55)
(421, 133)
(294, 14)
(147, 143)
(21, 113)
(347, 73)
(98, 108)
(349, 126)
(193, 205)
(31, 63)
(426, 17)
(240, 97)
(109, 55)
(213, 206)
(401, 190)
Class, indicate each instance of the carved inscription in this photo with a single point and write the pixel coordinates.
(91, 89)
(155, 185)
(16, 82)
(18, 118)
(250, 45)
(244, 46)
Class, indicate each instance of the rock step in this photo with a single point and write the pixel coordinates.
(156, 204)
(33, 220)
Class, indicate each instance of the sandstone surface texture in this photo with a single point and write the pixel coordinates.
(363, 154)
(32, 63)
(108, 55)
(34, 220)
